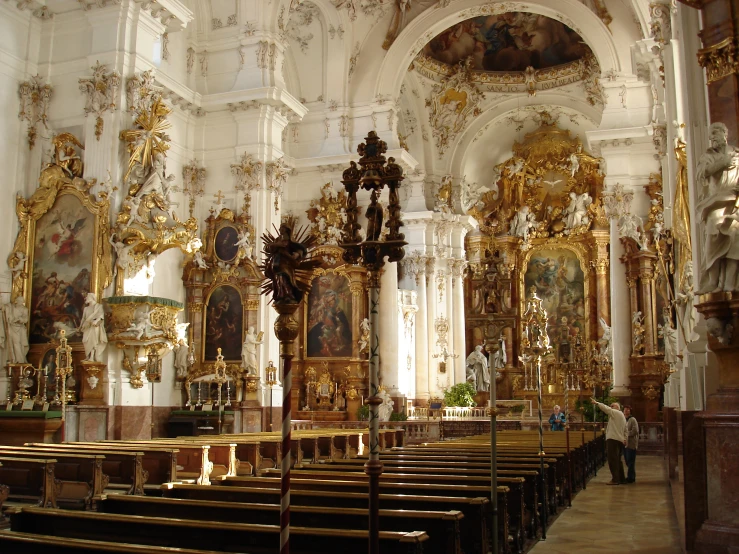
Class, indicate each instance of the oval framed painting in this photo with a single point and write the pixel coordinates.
(225, 243)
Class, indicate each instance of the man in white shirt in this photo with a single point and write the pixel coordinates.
(615, 440)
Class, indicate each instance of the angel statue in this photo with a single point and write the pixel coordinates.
(574, 164)
(65, 155)
(386, 408)
(606, 341)
(199, 261)
(364, 337)
(244, 243)
(287, 264)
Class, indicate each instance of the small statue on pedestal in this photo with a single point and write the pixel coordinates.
(478, 364)
(16, 318)
(249, 351)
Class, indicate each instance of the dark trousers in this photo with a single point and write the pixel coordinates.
(630, 459)
(614, 450)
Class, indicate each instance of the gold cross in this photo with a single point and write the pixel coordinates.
(219, 197)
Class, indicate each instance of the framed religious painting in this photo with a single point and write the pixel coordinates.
(61, 252)
(225, 243)
(224, 324)
(556, 273)
(328, 321)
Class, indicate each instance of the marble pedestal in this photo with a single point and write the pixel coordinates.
(719, 534)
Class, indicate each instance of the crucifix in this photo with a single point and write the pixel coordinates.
(219, 197)
(525, 173)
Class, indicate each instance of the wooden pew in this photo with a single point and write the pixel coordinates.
(222, 537)
(443, 528)
(124, 468)
(80, 477)
(4, 492)
(13, 542)
(473, 528)
(510, 494)
(30, 479)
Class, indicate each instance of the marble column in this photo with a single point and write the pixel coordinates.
(422, 338)
(620, 316)
(646, 281)
(457, 315)
(389, 328)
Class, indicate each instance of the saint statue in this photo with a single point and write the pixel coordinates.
(522, 223)
(479, 364)
(249, 351)
(92, 326)
(181, 352)
(606, 341)
(718, 185)
(685, 303)
(386, 408)
(669, 334)
(16, 318)
(576, 213)
(364, 337)
(499, 358)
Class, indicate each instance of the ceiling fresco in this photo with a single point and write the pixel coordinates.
(511, 41)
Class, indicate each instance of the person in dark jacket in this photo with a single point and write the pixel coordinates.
(557, 420)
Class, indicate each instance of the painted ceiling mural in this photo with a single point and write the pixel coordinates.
(510, 41)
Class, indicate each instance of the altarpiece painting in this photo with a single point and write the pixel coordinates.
(329, 331)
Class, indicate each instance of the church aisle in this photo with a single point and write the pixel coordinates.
(636, 518)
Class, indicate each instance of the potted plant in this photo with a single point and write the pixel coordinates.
(461, 394)
(517, 410)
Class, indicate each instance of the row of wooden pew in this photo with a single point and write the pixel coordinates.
(221, 493)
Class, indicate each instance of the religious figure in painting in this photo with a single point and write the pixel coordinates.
(224, 321)
(718, 182)
(62, 264)
(92, 326)
(329, 314)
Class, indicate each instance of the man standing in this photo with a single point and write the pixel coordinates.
(615, 440)
(632, 443)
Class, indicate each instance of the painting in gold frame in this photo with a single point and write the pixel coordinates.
(224, 243)
(79, 247)
(555, 271)
(224, 323)
(328, 317)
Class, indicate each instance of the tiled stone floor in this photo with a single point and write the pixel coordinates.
(637, 518)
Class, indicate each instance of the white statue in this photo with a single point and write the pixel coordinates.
(92, 326)
(244, 243)
(606, 341)
(124, 260)
(364, 337)
(198, 260)
(637, 328)
(685, 303)
(574, 164)
(249, 351)
(181, 352)
(140, 326)
(499, 357)
(471, 192)
(16, 319)
(20, 265)
(386, 408)
(669, 334)
(576, 213)
(718, 185)
(479, 364)
(628, 227)
(133, 203)
(522, 223)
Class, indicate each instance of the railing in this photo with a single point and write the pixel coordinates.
(415, 431)
(460, 413)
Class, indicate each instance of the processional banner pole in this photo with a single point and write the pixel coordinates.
(373, 174)
(288, 269)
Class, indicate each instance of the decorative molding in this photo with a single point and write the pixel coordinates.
(247, 172)
(277, 173)
(165, 47)
(204, 63)
(101, 91)
(193, 182)
(190, 59)
(35, 96)
(142, 92)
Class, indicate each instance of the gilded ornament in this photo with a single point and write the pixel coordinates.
(719, 60)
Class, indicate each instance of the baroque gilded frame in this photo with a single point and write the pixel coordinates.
(54, 183)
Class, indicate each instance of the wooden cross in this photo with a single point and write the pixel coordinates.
(219, 197)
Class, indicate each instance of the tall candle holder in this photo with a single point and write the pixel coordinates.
(219, 368)
(270, 373)
(63, 370)
(535, 344)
